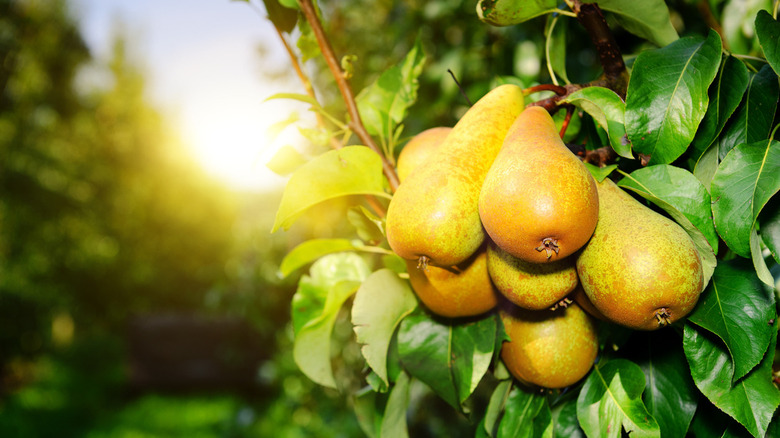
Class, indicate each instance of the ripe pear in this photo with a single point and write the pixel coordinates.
(579, 296)
(419, 149)
(433, 215)
(538, 202)
(465, 290)
(551, 349)
(534, 286)
(640, 269)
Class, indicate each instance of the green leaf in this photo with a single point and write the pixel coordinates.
(369, 411)
(744, 182)
(725, 95)
(609, 111)
(769, 224)
(681, 195)
(352, 170)
(753, 119)
(315, 306)
(671, 396)
(611, 400)
(520, 412)
(648, 19)
(756, 254)
(555, 45)
(281, 16)
(285, 161)
(737, 308)
(768, 33)
(383, 104)
(370, 228)
(293, 4)
(565, 419)
(667, 96)
(310, 251)
(751, 400)
(599, 173)
(382, 301)
(496, 406)
(450, 357)
(307, 42)
(511, 12)
(394, 420)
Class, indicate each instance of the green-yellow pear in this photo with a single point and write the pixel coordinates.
(534, 286)
(433, 216)
(551, 349)
(420, 148)
(456, 292)
(640, 269)
(538, 202)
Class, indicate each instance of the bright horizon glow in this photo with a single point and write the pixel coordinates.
(204, 74)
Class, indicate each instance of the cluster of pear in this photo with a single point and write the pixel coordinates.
(497, 212)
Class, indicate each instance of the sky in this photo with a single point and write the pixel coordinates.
(204, 73)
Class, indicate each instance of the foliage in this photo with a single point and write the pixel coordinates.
(689, 129)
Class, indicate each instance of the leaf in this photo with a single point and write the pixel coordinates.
(670, 395)
(608, 110)
(756, 254)
(352, 170)
(285, 161)
(751, 400)
(496, 406)
(681, 195)
(521, 409)
(667, 96)
(565, 419)
(555, 45)
(599, 173)
(769, 223)
(768, 33)
(368, 408)
(310, 251)
(282, 17)
(394, 420)
(307, 41)
(381, 302)
(369, 227)
(448, 357)
(737, 308)
(316, 304)
(383, 104)
(648, 19)
(753, 119)
(725, 95)
(507, 12)
(744, 182)
(611, 400)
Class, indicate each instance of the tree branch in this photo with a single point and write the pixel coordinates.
(346, 92)
(592, 19)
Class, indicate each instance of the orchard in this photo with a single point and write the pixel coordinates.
(593, 258)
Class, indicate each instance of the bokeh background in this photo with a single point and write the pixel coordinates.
(139, 294)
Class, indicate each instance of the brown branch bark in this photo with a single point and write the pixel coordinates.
(346, 92)
(592, 19)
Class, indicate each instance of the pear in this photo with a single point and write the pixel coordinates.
(551, 349)
(538, 202)
(465, 290)
(640, 269)
(419, 149)
(433, 215)
(534, 286)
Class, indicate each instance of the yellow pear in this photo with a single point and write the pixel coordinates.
(433, 215)
(455, 292)
(534, 286)
(538, 202)
(640, 269)
(551, 349)
(420, 148)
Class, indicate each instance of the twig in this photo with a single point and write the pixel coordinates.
(712, 22)
(346, 92)
(462, 91)
(592, 19)
(566, 120)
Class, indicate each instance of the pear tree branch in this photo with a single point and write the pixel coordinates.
(356, 124)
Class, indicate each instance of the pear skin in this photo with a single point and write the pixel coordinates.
(551, 349)
(640, 269)
(538, 202)
(419, 149)
(433, 215)
(534, 286)
(456, 292)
